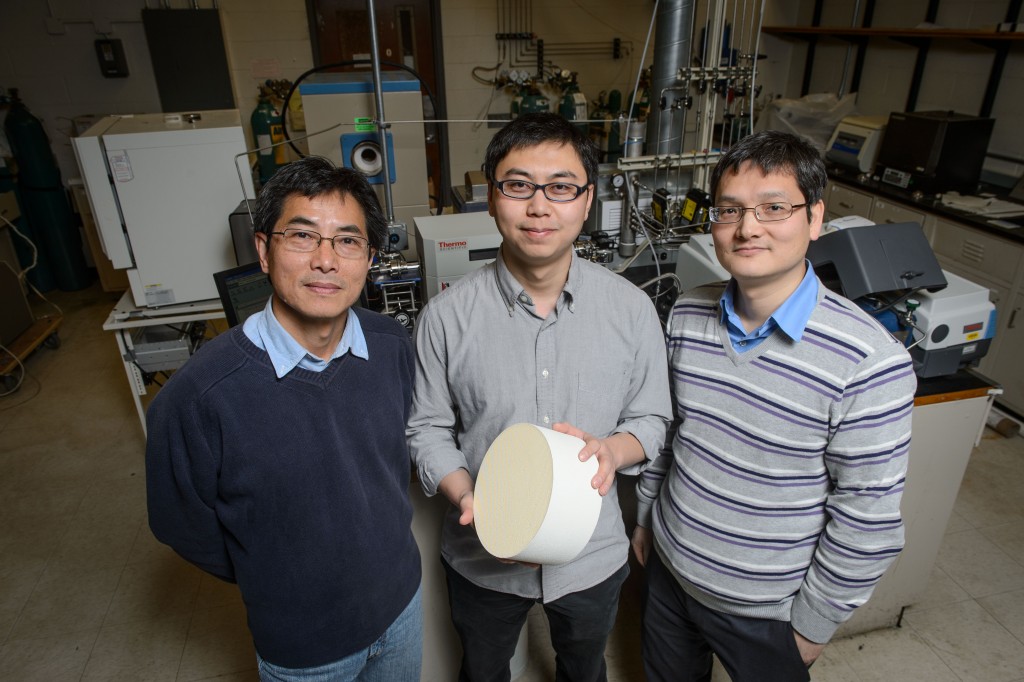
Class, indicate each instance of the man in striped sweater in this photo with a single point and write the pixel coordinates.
(777, 509)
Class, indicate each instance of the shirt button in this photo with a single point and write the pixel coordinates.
(743, 343)
(546, 419)
(523, 298)
(544, 374)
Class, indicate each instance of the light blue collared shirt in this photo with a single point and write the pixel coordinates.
(791, 317)
(286, 353)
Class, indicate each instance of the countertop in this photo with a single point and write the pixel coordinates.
(929, 202)
(965, 383)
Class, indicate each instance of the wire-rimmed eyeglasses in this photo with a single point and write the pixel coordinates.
(307, 241)
(766, 213)
(554, 191)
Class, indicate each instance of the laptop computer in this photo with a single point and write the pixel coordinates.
(243, 290)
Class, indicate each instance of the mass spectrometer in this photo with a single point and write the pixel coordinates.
(891, 272)
(329, 99)
(161, 187)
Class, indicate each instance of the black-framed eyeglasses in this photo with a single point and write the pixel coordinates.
(554, 191)
(766, 213)
(307, 241)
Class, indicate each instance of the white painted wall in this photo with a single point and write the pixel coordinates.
(469, 27)
(47, 52)
(956, 74)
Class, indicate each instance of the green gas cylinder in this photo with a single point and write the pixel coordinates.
(573, 107)
(267, 129)
(43, 199)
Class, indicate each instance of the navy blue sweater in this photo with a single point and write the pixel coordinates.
(296, 488)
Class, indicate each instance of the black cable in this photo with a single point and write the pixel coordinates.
(358, 62)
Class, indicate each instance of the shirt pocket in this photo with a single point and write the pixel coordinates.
(599, 401)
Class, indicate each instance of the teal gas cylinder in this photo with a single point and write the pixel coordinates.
(267, 129)
(44, 200)
(573, 107)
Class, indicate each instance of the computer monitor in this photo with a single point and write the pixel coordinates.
(243, 291)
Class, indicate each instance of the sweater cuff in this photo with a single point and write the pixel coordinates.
(644, 509)
(810, 623)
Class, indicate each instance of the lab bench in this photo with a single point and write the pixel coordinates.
(948, 419)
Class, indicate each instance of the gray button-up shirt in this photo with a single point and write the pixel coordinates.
(485, 361)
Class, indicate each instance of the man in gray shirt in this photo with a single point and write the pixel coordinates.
(545, 337)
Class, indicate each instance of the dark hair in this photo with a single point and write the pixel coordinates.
(530, 130)
(315, 176)
(776, 152)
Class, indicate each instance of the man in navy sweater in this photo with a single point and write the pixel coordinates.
(276, 456)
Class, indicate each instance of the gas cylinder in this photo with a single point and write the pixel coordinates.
(43, 199)
(573, 107)
(267, 129)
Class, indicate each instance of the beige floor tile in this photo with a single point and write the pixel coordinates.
(891, 654)
(970, 641)
(1008, 609)
(147, 548)
(829, 667)
(48, 659)
(977, 565)
(1008, 537)
(117, 498)
(66, 602)
(18, 579)
(154, 591)
(52, 498)
(218, 643)
(940, 591)
(990, 492)
(97, 542)
(957, 523)
(138, 652)
(247, 676)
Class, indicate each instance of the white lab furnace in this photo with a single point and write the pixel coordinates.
(161, 188)
(348, 98)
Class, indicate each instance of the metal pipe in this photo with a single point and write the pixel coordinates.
(671, 52)
(849, 49)
(382, 124)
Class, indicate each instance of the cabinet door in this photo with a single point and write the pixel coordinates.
(884, 211)
(982, 254)
(843, 201)
(1007, 368)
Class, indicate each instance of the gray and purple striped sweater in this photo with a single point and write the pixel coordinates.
(780, 496)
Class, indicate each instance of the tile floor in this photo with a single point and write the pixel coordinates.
(87, 594)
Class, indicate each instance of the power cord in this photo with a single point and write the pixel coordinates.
(22, 275)
(21, 365)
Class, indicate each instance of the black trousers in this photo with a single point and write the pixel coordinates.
(489, 622)
(680, 635)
